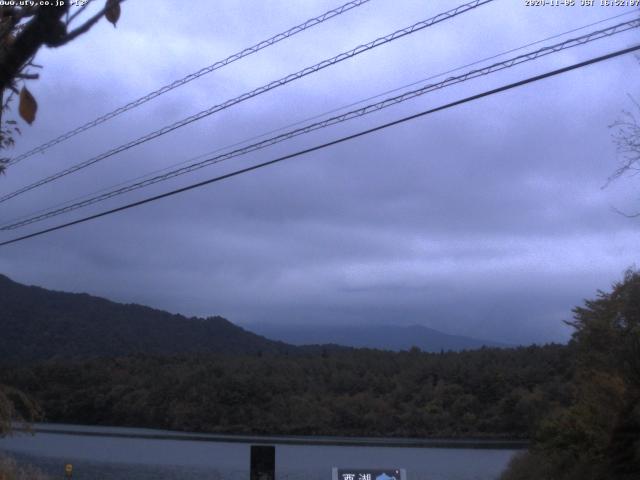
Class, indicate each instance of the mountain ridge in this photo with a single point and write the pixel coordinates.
(380, 336)
(40, 324)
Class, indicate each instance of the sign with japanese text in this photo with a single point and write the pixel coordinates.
(369, 474)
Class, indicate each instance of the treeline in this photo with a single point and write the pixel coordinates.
(483, 393)
(579, 404)
(597, 435)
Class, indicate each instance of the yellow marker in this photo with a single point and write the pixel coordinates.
(68, 469)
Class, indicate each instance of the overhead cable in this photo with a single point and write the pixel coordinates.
(329, 144)
(312, 22)
(246, 96)
(319, 115)
(374, 107)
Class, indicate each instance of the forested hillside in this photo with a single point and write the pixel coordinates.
(596, 436)
(38, 324)
(488, 392)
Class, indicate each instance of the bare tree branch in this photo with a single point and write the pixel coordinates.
(78, 12)
(624, 214)
(28, 76)
(86, 26)
(626, 137)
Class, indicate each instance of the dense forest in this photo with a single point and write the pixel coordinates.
(487, 392)
(596, 436)
(579, 404)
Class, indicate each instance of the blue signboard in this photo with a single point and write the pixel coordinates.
(369, 474)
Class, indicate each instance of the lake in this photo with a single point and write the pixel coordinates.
(110, 453)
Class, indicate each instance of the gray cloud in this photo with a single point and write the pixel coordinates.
(486, 220)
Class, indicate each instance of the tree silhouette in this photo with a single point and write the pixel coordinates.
(23, 31)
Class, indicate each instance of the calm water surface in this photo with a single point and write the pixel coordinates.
(110, 458)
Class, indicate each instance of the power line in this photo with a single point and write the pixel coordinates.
(265, 88)
(477, 62)
(203, 71)
(307, 119)
(316, 116)
(331, 143)
(527, 57)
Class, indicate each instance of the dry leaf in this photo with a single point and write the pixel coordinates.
(112, 11)
(28, 106)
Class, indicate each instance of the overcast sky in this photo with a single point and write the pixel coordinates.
(486, 220)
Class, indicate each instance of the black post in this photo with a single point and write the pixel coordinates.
(263, 462)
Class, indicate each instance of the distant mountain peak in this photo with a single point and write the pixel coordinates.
(379, 336)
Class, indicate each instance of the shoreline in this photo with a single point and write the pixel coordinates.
(149, 434)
